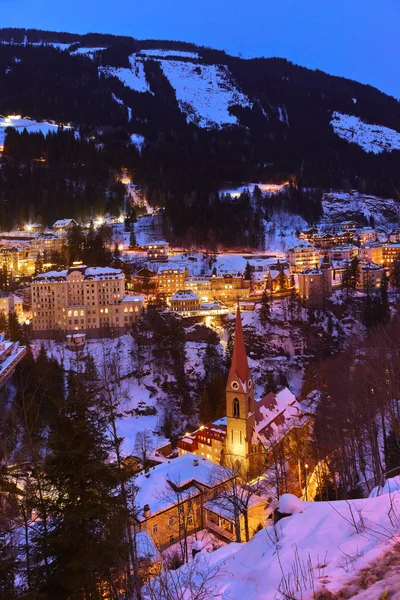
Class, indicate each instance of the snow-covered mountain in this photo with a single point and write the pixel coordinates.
(206, 118)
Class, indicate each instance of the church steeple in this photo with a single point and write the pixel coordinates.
(239, 370)
(239, 403)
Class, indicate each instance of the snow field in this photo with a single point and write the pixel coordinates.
(19, 123)
(330, 541)
(204, 92)
(371, 138)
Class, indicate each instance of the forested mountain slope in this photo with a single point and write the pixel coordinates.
(206, 118)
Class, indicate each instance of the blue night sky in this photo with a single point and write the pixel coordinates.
(358, 39)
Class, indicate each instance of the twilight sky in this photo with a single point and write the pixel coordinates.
(358, 39)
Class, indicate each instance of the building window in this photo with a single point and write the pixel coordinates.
(236, 409)
(171, 521)
(155, 528)
(171, 539)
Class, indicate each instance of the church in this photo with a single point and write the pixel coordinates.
(251, 427)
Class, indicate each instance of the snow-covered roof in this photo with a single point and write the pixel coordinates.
(185, 473)
(159, 243)
(97, 273)
(132, 299)
(371, 267)
(184, 295)
(47, 236)
(64, 223)
(301, 246)
(311, 272)
(276, 413)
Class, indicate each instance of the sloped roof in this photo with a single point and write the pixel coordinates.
(240, 366)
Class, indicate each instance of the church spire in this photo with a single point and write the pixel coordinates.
(240, 366)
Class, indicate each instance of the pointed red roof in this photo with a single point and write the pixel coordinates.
(240, 366)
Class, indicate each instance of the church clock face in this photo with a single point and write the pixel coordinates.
(235, 385)
(249, 384)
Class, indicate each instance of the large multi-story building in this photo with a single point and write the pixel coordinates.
(9, 260)
(315, 286)
(346, 252)
(185, 301)
(82, 299)
(200, 285)
(371, 252)
(390, 252)
(45, 243)
(367, 234)
(158, 251)
(369, 276)
(229, 288)
(303, 256)
(9, 303)
(170, 281)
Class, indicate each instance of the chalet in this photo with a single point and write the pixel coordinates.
(64, 224)
(171, 495)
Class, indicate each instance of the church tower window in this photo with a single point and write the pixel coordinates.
(236, 408)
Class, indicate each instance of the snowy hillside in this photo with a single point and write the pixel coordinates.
(371, 138)
(340, 206)
(17, 122)
(325, 550)
(134, 78)
(205, 93)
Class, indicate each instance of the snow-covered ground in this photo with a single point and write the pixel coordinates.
(19, 123)
(163, 53)
(138, 140)
(88, 51)
(268, 189)
(347, 548)
(133, 78)
(204, 92)
(133, 396)
(340, 206)
(371, 138)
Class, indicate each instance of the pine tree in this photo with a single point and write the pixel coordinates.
(117, 251)
(132, 237)
(3, 322)
(265, 309)
(384, 315)
(248, 272)
(85, 541)
(38, 264)
(14, 331)
(282, 279)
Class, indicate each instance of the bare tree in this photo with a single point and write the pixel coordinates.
(197, 580)
(143, 446)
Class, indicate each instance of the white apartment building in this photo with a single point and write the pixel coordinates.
(303, 256)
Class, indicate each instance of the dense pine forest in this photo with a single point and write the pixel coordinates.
(181, 166)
